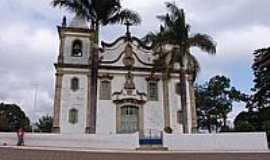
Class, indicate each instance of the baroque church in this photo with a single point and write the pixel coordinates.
(111, 89)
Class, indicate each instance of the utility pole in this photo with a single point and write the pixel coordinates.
(34, 103)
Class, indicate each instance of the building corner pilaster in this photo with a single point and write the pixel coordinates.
(57, 102)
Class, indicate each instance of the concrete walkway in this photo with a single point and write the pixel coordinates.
(43, 153)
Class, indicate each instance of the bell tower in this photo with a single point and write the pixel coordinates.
(73, 77)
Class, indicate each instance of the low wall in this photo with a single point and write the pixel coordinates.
(217, 142)
(247, 142)
(123, 141)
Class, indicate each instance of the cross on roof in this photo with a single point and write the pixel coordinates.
(128, 24)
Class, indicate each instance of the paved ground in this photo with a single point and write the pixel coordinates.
(34, 154)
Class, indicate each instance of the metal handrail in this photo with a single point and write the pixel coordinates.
(151, 134)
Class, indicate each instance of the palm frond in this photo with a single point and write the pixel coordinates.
(79, 7)
(104, 9)
(96, 10)
(166, 19)
(174, 11)
(123, 16)
(204, 42)
(158, 38)
(149, 38)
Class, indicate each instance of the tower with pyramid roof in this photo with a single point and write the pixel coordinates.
(73, 77)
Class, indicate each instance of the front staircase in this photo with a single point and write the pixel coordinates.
(151, 140)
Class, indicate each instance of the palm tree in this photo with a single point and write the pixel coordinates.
(175, 34)
(98, 12)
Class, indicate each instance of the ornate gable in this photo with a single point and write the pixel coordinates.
(127, 52)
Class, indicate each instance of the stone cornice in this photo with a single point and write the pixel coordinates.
(72, 29)
(111, 67)
(80, 66)
(153, 78)
(105, 76)
(125, 38)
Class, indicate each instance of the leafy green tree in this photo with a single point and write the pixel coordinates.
(254, 120)
(260, 119)
(12, 118)
(214, 101)
(173, 44)
(261, 97)
(258, 104)
(244, 126)
(207, 115)
(247, 118)
(45, 124)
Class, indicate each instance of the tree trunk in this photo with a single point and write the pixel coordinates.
(225, 120)
(209, 124)
(216, 123)
(183, 93)
(194, 124)
(94, 73)
(97, 33)
(166, 101)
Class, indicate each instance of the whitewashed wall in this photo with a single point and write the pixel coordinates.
(175, 106)
(153, 110)
(73, 99)
(229, 142)
(123, 141)
(106, 109)
(217, 142)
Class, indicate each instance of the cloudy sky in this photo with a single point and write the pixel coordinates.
(29, 43)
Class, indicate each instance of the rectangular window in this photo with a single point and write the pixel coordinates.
(177, 88)
(153, 91)
(180, 117)
(105, 90)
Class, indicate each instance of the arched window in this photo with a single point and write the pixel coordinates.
(77, 48)
(73, 116)
(153, 90)
(129, 119)
(105, 90)
(74, 84)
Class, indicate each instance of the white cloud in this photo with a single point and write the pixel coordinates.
(241, 43)
(234, 54)
(27, 58)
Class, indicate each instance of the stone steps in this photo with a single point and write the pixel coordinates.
(152, 148)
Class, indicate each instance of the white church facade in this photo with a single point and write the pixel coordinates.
(113, 89)
(109, 98)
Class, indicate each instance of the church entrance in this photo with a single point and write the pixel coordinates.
(129, 121)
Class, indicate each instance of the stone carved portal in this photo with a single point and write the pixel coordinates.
(129, 93)
(129, 117)
(129, 103)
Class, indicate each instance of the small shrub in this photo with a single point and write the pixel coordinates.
(268, 138)
(168, 130)
(225, 129)
(244, 126)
